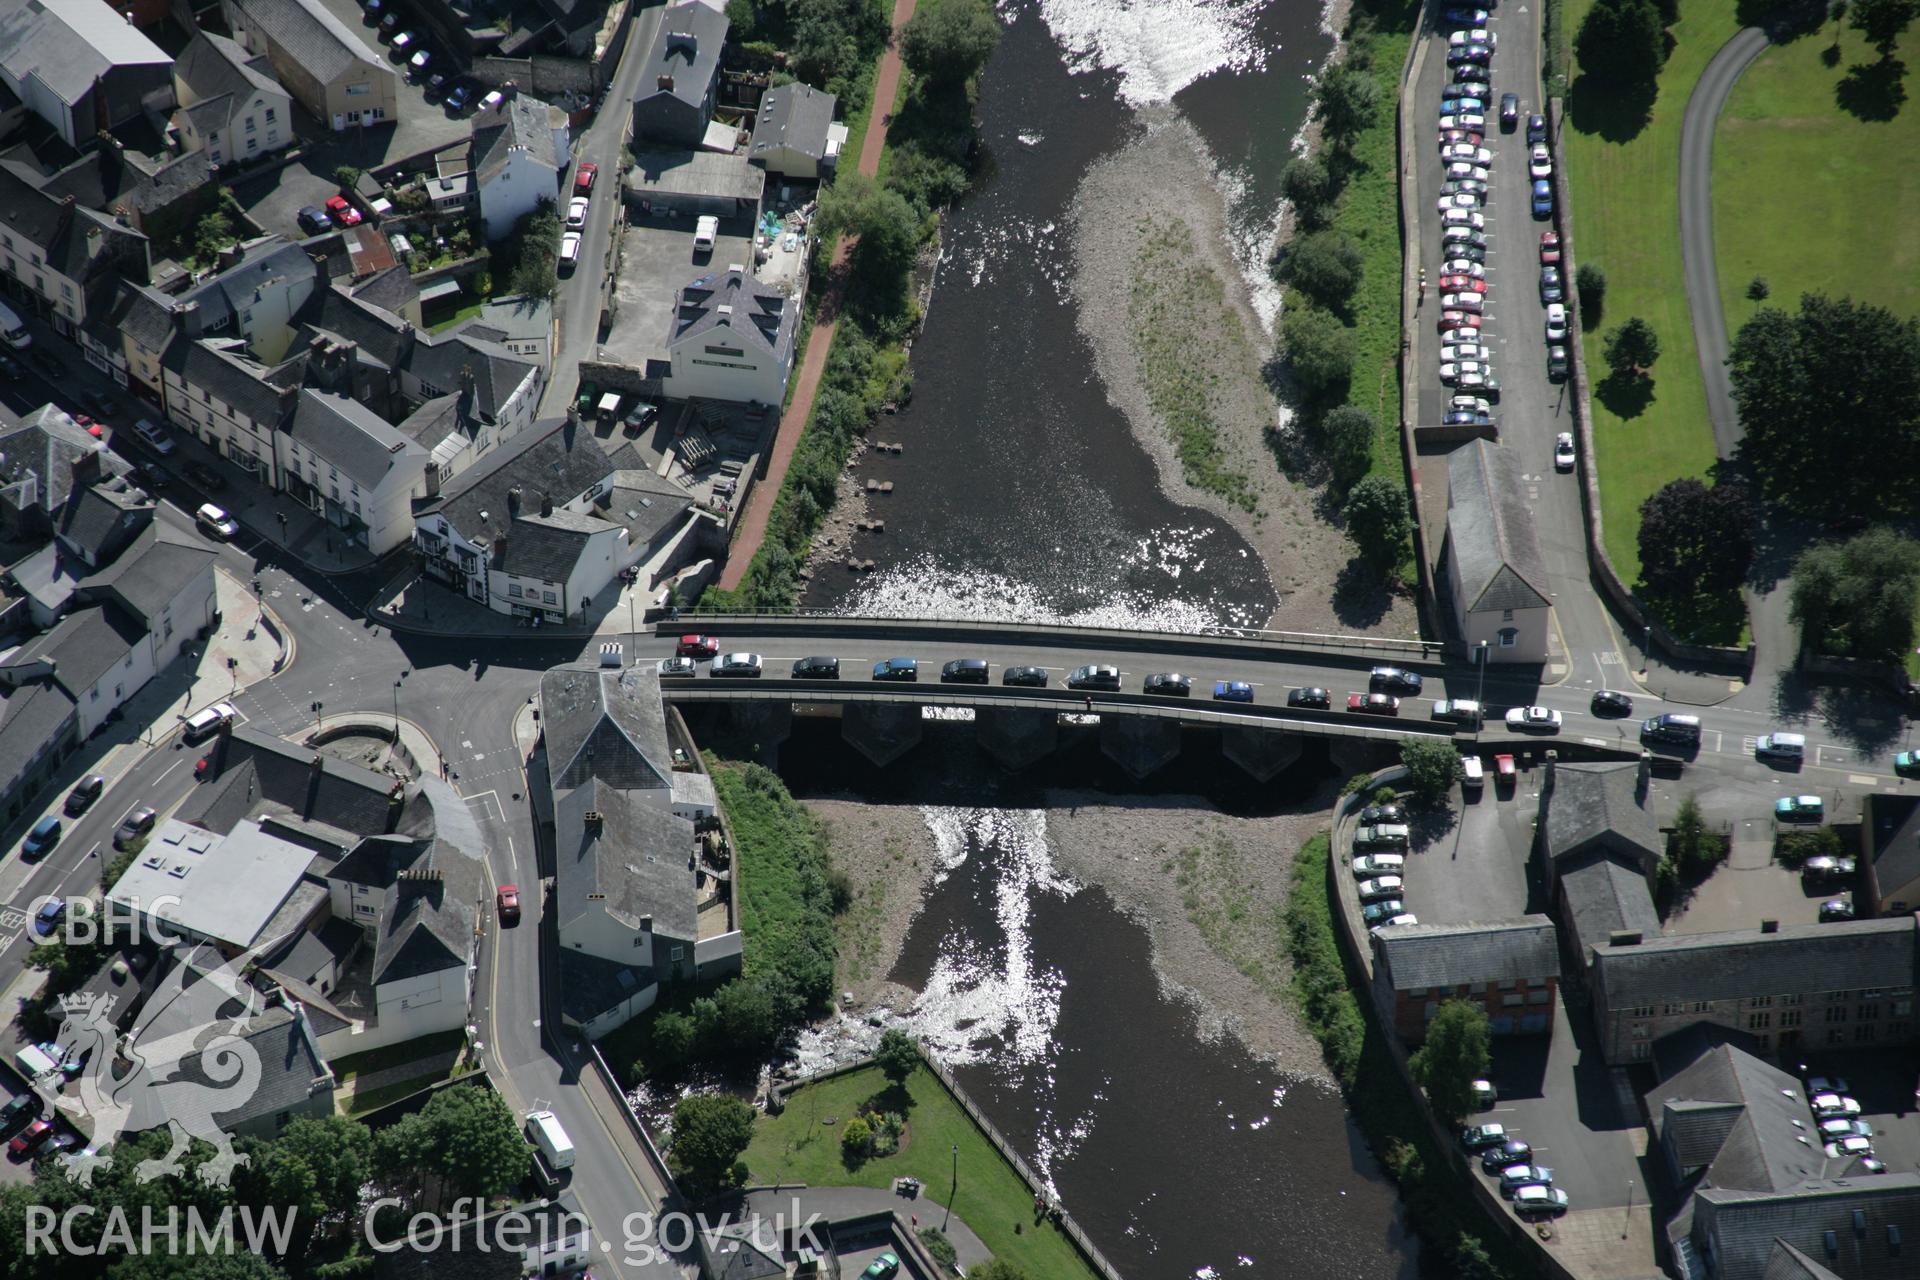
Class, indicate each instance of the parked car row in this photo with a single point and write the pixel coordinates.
(1843, 1134)
(1466, 362)
(1509, 1159)
(1379, 866)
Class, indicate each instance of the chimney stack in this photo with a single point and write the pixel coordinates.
(546, 504)
(513, 502)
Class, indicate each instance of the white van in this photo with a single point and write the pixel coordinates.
(569, 251)
(1790, 748)
(1473, 774)
(705, 232)
(32, 1063)
(13, 330)
(544, 1131)
(207, 721)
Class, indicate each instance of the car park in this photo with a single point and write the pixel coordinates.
(1459, 138)
(1460, 337)
(1504, 772)
(1377, 914)
(577, 212)
(1459, 200)
(1462, 284)
(1557, 365)
(1397, 918)
(1462, 326)
(1471, 54)
(402, 41)
(1535, 718)
(1516, 1176)
(1458, 252)
(135, 825)
(1466, 17)
(1507, 1154)
(897, 670)
(1481, 1136)
(1556, 323)
(678, 668)
(697, 646)
(1465, 372)
(1473, 120)
(1472, 37)
(1552, 288)
(737, 666)
(965, 671)
(1454, 106)
(1542, 198)
(1469, 302)
(1373, 704)
(1509, 111)
(1454, 352)
(1839, 1149)
(706, 229)
(28, 1140)
(1464, 267)
(1025, 677)
(1463, 234)
(817, 668)
(1563, 451)
(1539, 1201)
(1311, 698)
(1462, 151)
(84, 793)
(1379, 864)
(1539, 161)
(492, 100)
(1826, 1084)
(1828, 868)
(1466, 418)
(1465, 171)
(1095, 676)
(1470, 82)
(1380, 888)
(418, 63)
(458, 97)
(1536, 128)
(1374, 814)
(1611, 702)
(1799, 809)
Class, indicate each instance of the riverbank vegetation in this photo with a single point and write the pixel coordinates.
(802, 1144)
(890, 222)
(1340, 327)
(1324, 986)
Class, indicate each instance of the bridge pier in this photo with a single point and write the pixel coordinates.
(766, 724)
(1016, 736)
(882, 731)
(1139, 744)
(1261, 752)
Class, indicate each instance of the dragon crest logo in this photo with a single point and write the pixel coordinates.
(185, 1060)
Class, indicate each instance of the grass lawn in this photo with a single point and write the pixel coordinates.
(1626, 221)
(1808, 196)
(991, 1199)
(465, 312)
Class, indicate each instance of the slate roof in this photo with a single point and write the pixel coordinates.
(349, 435)
(85, 645)
(1894, 822)
(793, 117)
(309, 35)
(434, 421)
(1604, 897)
(686, 49)
(643, 503)
(1872, 1222)
(1597, 802)
(48, 577)
(520, 123)
(1451, 955)
(384, 339)
(1798, 959)
(1492, 531)
(29, 214)
(547, 547)
(145, 315)
(759, 316)
(147, 576)
(46, 444)
(639, 863)
(604, 722)
(220, 75)
(1788, 1263)
(69, 44)
(705, 174)
(98, 517)
(31, 716)
(391, 288)
(240, 382)
(251, 768)
(497, 372)
(425, 920)
(554, 459)
(310, 951)
(291, 1070)
(1741, 1119)
(268, 262)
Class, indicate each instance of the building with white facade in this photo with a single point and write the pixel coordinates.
(732, 339)
(231, 107)
(320, 60)
(352, 468)
(521, 155)
(62, 259)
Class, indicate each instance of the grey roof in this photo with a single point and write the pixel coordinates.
(217, 70)
(737, 1252)
(240, 382)
(547, 547)
(1788, 1263)
(1591, 803)
(48, 577)
(142, 313)
(1798, 959)
(84, 646)
(793, 117)
(604, 722)
(1604, 897)
(391, 288)
(705, 174)
(514, 317)
(310, 951)
(520, 123)
(643, 503)
(268, 262)
(309, 35)
(1451, 955)
(103, 517)
(685, 54)
(291, 1069)
(434, 421)
(349, 435)
(445, 359)
(156, 568)
(638, 863)
(760, 316)
(251, 769)
(555, 460)
(221, 887)
(1893, 821)
(1741, 1119)
(382, 337)
(1492, 530)
(29, 213)
(69, 44)
(46, 445)
(31, 716)
(426, 915)
(1871, 1221)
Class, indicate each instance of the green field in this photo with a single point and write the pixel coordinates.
(1808, 196)
(802, 1144)
(1626, 220)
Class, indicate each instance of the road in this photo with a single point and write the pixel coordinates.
(604, 143)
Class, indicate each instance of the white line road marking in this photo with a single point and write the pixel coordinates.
(1864, 780)
(1596, 742)
(513, 858)
(164, 772)
(12, 919)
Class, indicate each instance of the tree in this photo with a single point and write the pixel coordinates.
(856, 1137)
(742, 17)
(1380, 520)
(1455, 1054)
(1695, 850)
(1432, 765)
(1345, 102)
(1325, 266)
(948, 43)
(897, 1056)
(1349, 432)
(1758, 289)
(1319, 350)
(1695, 539)
(671, 1042)
(887, 226)
(1883, 22)
(741, 1020)
(348, 176)
(1590, 282)
(1631, 348)
(710, 1133)
(1856, 599)
(1829, 399)
(1621, 42)
(1309, 188)
(466, 1136)
(319, 1165)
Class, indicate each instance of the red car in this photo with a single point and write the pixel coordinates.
(1450, 136)
(1503, 770)
(1549, 247)
(508, 903)
(1374, 704)
(342, 213)
(30, 1137)
(697, 647)
(583, 177)
(1459, 320)
(1462, 284)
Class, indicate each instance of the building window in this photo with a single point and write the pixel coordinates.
(513, 589)
(1836, 1035)
(1513, 1001)
(1759, 1021)
(1509, 637)
(1836, 1013)
(66, 290)
(270, 115)
(1506, 615)
(1790, 1018)
(1539, 996)
(1643, 1011)
(549, 597)
(1641, 1052)
(362, 909)
(249, 124)
(93, 695)
(1640, 1031)
(1865, 1034)
(1786, 1000)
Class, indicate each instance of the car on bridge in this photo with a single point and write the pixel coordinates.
(1459, 711)
(816, 668)
(737, 666)
(1232, 691)
(1535, 719)
(1095, 676)
(1373, 704)
(699, 647)
(965, 671)
(1799, 809)
(1310, 698)
(901, 670)
(678, 668)
(1025, 677)
(1395, 680)
(1168, 684)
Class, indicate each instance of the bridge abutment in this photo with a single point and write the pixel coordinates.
(882, 731)
(1261, 752)
(766, 724)
(1015, 736)
(1139, 744)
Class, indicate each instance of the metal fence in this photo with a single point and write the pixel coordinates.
(634, 1122)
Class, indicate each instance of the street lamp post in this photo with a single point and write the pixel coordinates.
(404, 673)
(1480, 689)
(956, 1187)
(283, 527)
